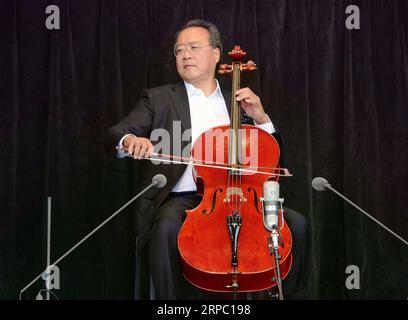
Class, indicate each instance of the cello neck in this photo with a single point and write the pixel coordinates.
(237, 54)
(235, 115)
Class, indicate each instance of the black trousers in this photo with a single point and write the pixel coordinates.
(164, 258)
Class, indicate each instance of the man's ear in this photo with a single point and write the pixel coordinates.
(217, 54)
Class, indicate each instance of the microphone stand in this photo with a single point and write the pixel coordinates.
(320, 184)
(45, 274)
(273, 246)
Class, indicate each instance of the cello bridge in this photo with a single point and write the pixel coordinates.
(231, 191)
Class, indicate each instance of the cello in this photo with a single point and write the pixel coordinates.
(223, 242)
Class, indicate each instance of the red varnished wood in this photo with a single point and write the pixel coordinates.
(204, 240)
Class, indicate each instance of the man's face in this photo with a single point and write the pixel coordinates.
(196, 60)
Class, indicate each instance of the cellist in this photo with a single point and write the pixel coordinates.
(198, 103)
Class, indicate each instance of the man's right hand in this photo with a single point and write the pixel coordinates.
(138, 147)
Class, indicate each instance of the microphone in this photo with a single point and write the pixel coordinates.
(158, 181)
(321, 184)
(271, 203)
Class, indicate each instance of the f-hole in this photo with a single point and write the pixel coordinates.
(256, 200)
(205, 211)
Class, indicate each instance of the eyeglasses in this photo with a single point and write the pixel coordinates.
(194, 48)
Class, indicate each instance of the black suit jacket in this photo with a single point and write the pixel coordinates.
(158, 108)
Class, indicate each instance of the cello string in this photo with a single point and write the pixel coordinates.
(238, 147)
(233, 149)
(237, 190)
(238, 158)
(239, 139)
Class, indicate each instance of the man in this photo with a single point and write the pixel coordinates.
(199, 104)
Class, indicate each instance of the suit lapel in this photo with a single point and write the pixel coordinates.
(227, 98)
(179, 98)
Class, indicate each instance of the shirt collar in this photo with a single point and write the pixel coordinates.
(191, 90)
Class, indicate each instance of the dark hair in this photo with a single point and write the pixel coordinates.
(215, 36)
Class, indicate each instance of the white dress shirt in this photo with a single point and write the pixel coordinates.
(205, 113)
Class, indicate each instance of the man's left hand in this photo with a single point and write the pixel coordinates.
(252, 105)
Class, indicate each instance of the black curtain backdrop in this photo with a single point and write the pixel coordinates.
(338, 96)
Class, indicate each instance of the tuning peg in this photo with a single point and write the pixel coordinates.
(225, 68)
(249, 66)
